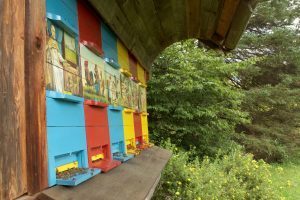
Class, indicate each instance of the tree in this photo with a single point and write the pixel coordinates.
(191, 100)
(272, 85)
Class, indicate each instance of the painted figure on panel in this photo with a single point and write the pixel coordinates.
(109, 88)
(97, 80)
(71, 79)
(125, 90)
(143, 99)
(54, 72)
(93, 76)
(135, 96)
(102, 83)
(87, 73)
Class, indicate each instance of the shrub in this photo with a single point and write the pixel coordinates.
(233, 176)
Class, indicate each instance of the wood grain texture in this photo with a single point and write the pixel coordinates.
(13, 181)
(226, 17)
(239, 23)
(147, 27)
(35, 46)
(133, 180)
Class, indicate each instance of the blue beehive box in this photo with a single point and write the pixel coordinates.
(66, 139)
(116, 133)
(64, 13)
(109, 46)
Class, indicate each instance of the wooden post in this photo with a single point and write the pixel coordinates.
(35, 47)
(13, 181)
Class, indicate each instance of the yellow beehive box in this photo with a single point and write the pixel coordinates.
(145, 130)
(123, 58)
(129, 133)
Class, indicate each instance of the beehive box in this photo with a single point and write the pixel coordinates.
(98, 139)
(116, 132)
(89, 28)
(64, 13)
(141, 75)
(129, 134)
(109, 45)
(133, 66)
(66, 140)
(138, 131)
(123, 59)
(145, 131)
(62, 71)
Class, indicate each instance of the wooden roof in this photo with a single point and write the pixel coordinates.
(149, 26)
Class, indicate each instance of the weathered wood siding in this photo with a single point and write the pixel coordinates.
(13, 167)
(35, 42)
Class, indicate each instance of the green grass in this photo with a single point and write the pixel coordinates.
(286, 178)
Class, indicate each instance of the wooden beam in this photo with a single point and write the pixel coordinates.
(226, 17)
(35, 46)
(194, 19)
(13, 181)
(239, 23)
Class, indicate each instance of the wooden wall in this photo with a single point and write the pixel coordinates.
(13, 174)
(22, 98)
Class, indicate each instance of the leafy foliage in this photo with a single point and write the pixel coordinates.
(191, 99)
(272, 85)
(234, 176)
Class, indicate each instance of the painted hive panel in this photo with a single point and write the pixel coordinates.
(126, 91)
(135, 95)
(93, 76)
(143, 99)
(61, 69)
(113, 85)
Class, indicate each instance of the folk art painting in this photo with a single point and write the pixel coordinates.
(62, 71)
(93, 76)
(94, 79)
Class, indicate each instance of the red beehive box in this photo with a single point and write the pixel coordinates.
(89, 27)
(133, 66)
(97, 134)
(138, 130)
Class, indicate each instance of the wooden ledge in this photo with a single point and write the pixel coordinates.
(135, 179)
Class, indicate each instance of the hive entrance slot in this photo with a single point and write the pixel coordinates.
(97, 157)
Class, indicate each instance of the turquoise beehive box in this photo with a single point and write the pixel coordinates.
(109, 46)
(116, 131)
(66, 139)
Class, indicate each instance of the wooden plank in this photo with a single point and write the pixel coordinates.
(194, 19)
(226, 17)
(35, 46)
(179, 16)
(210, 11)
(239, 23)
(134, 179)
(13, 181)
